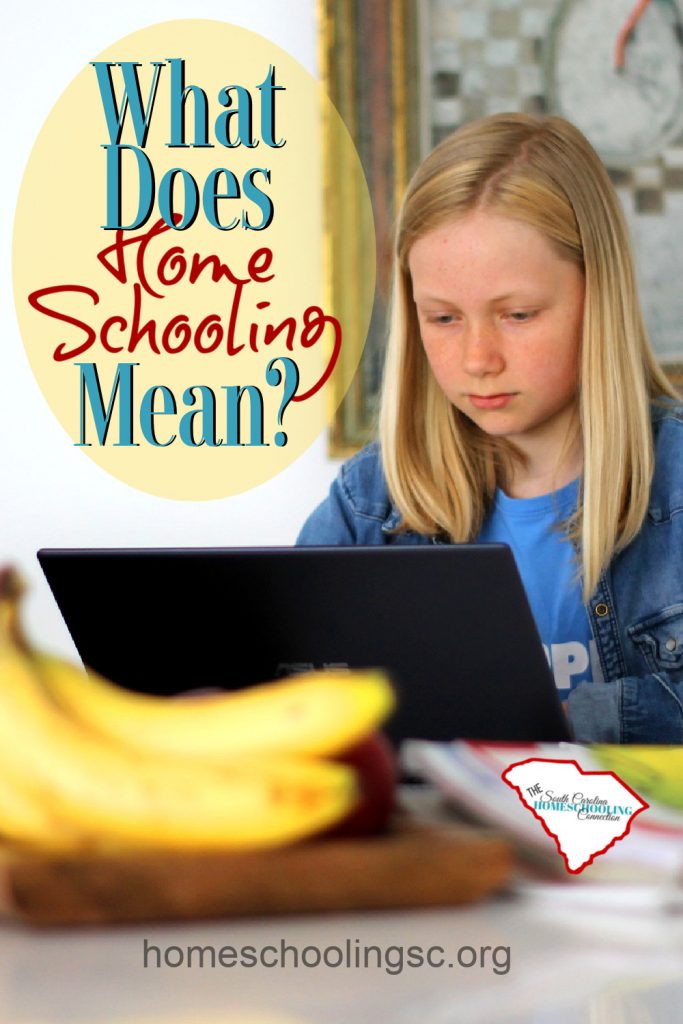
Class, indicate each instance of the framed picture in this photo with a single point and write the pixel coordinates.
(405, 73)
(370, 66)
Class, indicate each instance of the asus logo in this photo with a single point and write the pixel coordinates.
(292, 668)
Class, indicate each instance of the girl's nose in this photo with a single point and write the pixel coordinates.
(482, 354)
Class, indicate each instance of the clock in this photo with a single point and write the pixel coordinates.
(631, 113)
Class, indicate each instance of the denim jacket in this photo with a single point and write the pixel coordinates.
(636, 612)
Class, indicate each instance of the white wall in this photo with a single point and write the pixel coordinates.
(51, 494)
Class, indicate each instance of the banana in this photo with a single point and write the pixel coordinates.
(109, 797)
(25, 821)
(318, 714)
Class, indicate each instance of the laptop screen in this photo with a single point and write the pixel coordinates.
(449, 623)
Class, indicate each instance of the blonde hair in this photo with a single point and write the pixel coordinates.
(440, 468)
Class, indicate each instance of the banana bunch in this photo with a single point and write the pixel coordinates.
(88, 766)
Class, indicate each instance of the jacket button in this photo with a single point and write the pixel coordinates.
(671, 644)
(601, 610)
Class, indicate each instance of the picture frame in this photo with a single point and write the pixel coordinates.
(370, 67)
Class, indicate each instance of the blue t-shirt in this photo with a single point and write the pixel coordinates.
(546, 563)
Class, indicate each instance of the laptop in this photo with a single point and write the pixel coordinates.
(450, 624)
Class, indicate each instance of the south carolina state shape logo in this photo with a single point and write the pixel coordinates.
(586, 813)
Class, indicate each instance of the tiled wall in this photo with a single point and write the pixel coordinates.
(488, 56)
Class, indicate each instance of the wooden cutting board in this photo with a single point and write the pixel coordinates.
(410, 866)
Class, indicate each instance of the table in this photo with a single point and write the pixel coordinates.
(566, 966)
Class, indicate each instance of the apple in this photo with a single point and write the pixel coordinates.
(376, 763)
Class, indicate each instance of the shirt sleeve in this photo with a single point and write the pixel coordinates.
(635, 709)
(331, 523)
(594, 712)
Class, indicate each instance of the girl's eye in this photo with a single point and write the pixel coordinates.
(442, 319)
(521, 316)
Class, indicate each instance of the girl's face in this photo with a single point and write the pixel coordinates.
(500, 316)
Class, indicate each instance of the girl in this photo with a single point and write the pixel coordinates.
(522, 403)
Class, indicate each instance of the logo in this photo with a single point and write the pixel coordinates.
(295, 668)
(586, 813)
